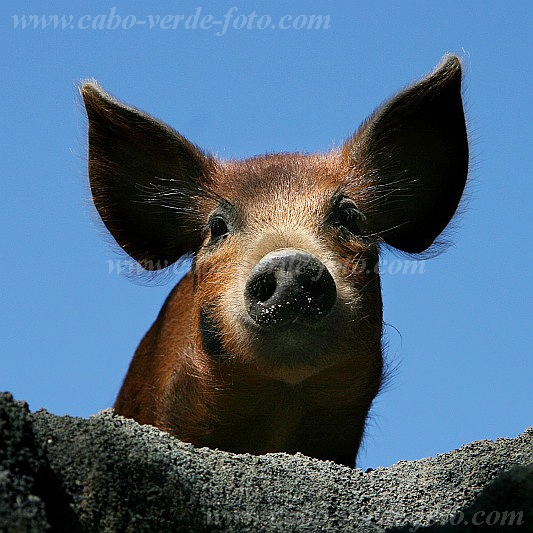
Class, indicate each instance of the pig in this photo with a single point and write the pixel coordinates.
(272, 342)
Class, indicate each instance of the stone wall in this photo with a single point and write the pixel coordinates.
(108, 473)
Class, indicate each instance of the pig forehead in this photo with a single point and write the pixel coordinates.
(281, 178)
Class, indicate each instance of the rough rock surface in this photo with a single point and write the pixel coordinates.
(108, 473)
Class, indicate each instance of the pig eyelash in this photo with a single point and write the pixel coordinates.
(376, 200)
(177, 196)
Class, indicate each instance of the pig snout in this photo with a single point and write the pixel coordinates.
(289, 286)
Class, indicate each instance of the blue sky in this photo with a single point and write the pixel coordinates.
(460, 333)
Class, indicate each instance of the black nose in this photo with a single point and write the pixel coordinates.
(288, 286)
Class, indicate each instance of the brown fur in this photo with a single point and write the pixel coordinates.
(301, 388)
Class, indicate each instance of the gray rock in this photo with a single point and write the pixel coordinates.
(21, 467)
(108, 473)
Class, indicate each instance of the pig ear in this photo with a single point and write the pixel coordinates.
(414, 151)
(144, 177)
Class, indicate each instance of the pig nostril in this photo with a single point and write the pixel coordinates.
(264, 286)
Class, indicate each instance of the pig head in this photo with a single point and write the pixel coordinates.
(273, 340)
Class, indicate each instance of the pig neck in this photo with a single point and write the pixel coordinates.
(260, 415)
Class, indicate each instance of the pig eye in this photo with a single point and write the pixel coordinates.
(346, 216)
(218, 228)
